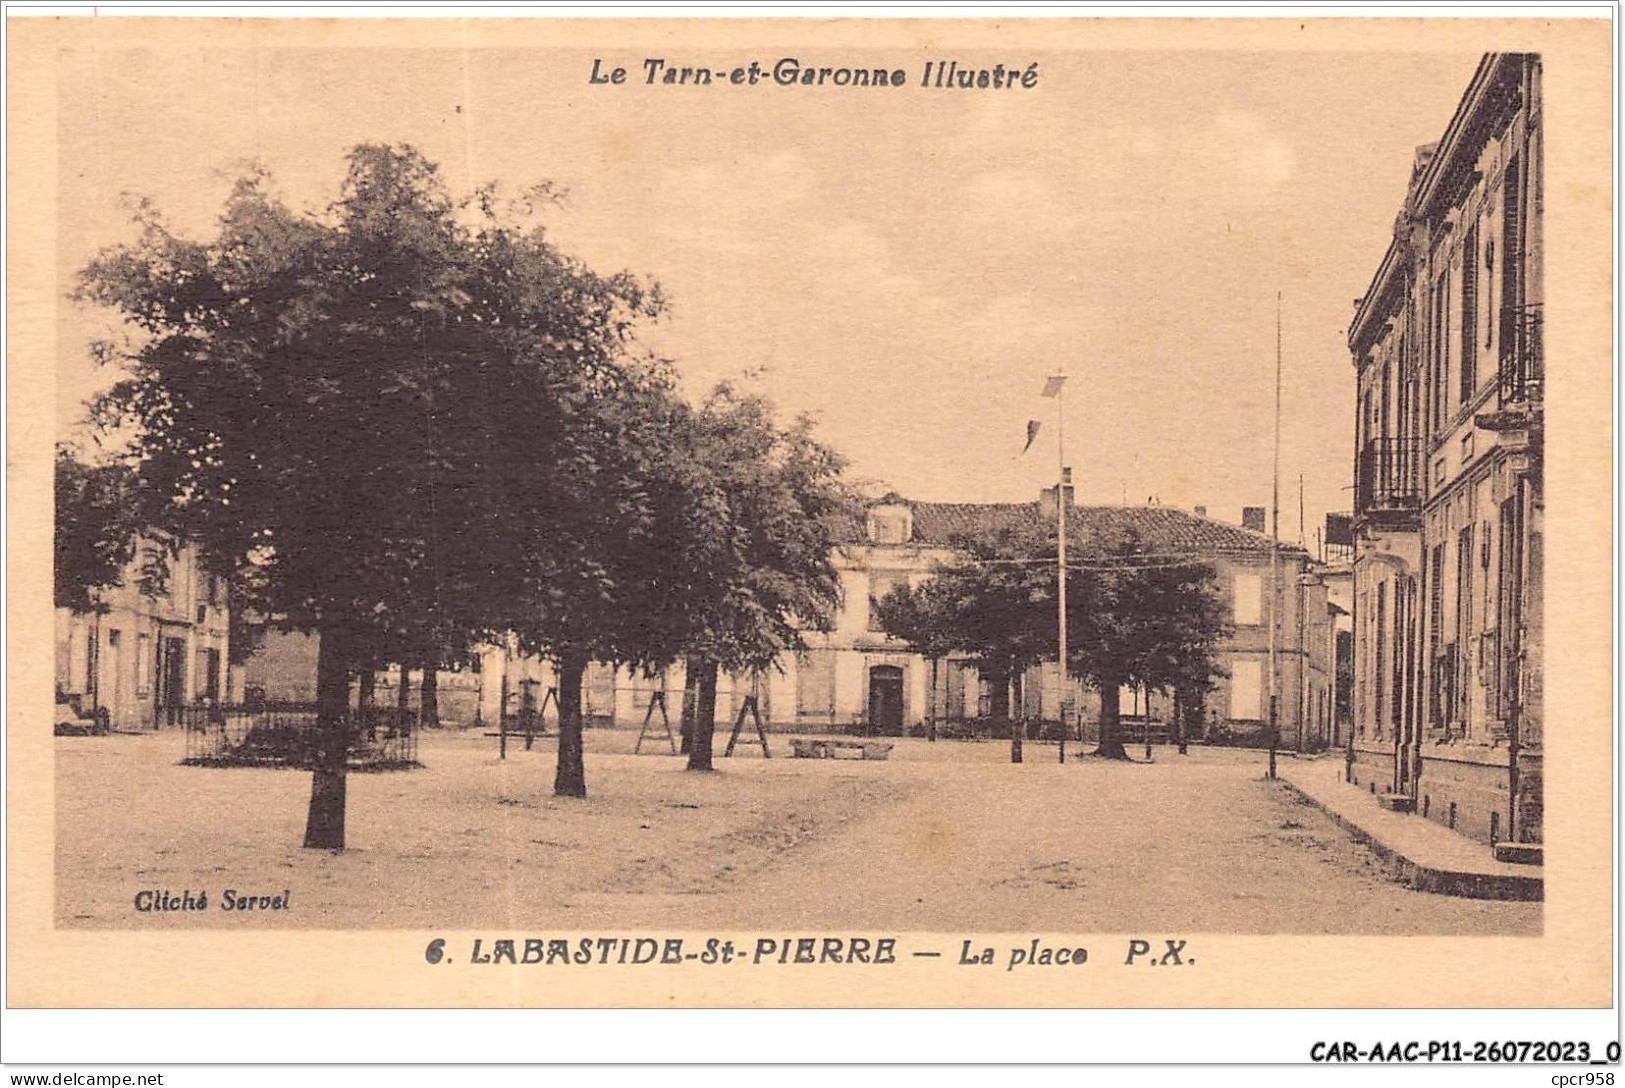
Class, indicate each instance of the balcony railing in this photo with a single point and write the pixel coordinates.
(1388, 476)
(1522, 355)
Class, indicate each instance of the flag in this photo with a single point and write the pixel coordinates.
(1052, 385)
(1032, 433)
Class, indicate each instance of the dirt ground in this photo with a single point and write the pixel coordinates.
(944, 836)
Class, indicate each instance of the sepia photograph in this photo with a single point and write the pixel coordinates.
(1025, 500)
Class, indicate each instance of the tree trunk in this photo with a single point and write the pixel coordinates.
(1111, 722)
(324, 824)
(571, 779)
(1181, 702)
(429, 694)
(691, 672)
(403, 700)
(1144, 702)
(1016, 705)
(705, 717)
(931, 725)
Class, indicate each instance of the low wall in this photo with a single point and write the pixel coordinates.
(1466, 791)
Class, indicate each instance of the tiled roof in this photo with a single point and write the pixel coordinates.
(1163, 528)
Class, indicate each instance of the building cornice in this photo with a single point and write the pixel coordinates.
(1452, 146)
(1364, 330)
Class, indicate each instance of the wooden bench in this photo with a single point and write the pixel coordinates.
(809, 748)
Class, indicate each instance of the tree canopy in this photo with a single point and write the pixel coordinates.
(410, 422)
(389, 417)
(1132, 618)
(96, 529)
(762, 568)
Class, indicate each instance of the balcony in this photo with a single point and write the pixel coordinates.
(1388, 477)
(1522, 358)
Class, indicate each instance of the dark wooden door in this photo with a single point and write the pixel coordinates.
(886, 698)
(171, 678)
(209, 682)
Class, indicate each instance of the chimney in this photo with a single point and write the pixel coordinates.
(1046, 497)
(1201, 511)
(1252, 517)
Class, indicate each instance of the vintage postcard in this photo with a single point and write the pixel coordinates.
(787, 512)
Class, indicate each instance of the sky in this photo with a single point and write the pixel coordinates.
(908, 265)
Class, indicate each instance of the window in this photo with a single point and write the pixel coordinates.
(1437, 650)
(1441, 348)
(1464, 616)
(1380, 665)
(1387, 400)
(92, 660)
(598, 690)
(958, 677)
(815, 683)
(1469, 316)
(1511, 287)
(1511, 600)
(1246, 690)
(888, 526)
(143, 664)
(881, 585)
(1248, 590)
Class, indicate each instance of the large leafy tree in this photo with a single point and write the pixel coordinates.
(621, 552)
(994, 602)
(96, 528)
(1134, 616)
(1150, 622)
(367, 412)
(766, 502)
(927, 618)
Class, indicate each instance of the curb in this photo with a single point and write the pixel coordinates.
(1526, 889)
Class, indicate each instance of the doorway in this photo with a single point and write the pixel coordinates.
(171, 692)
(886, 699)
(115, 694)
(209, 680)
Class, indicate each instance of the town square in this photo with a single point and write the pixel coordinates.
(616, 535)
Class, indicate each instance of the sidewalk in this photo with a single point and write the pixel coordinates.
(1424, 855)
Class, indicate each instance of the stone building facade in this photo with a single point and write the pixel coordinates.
(857, 679)
(135, 655)
(903, 541)
(1447, 350)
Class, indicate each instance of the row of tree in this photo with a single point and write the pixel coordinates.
(1134, 621)
(410, 423)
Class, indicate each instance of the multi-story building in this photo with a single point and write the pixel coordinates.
(136, 655)
(856, 678)
(1446, 344)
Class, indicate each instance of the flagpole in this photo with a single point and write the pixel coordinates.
(1060, 550)
(1275, 551)
(1055, 386)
